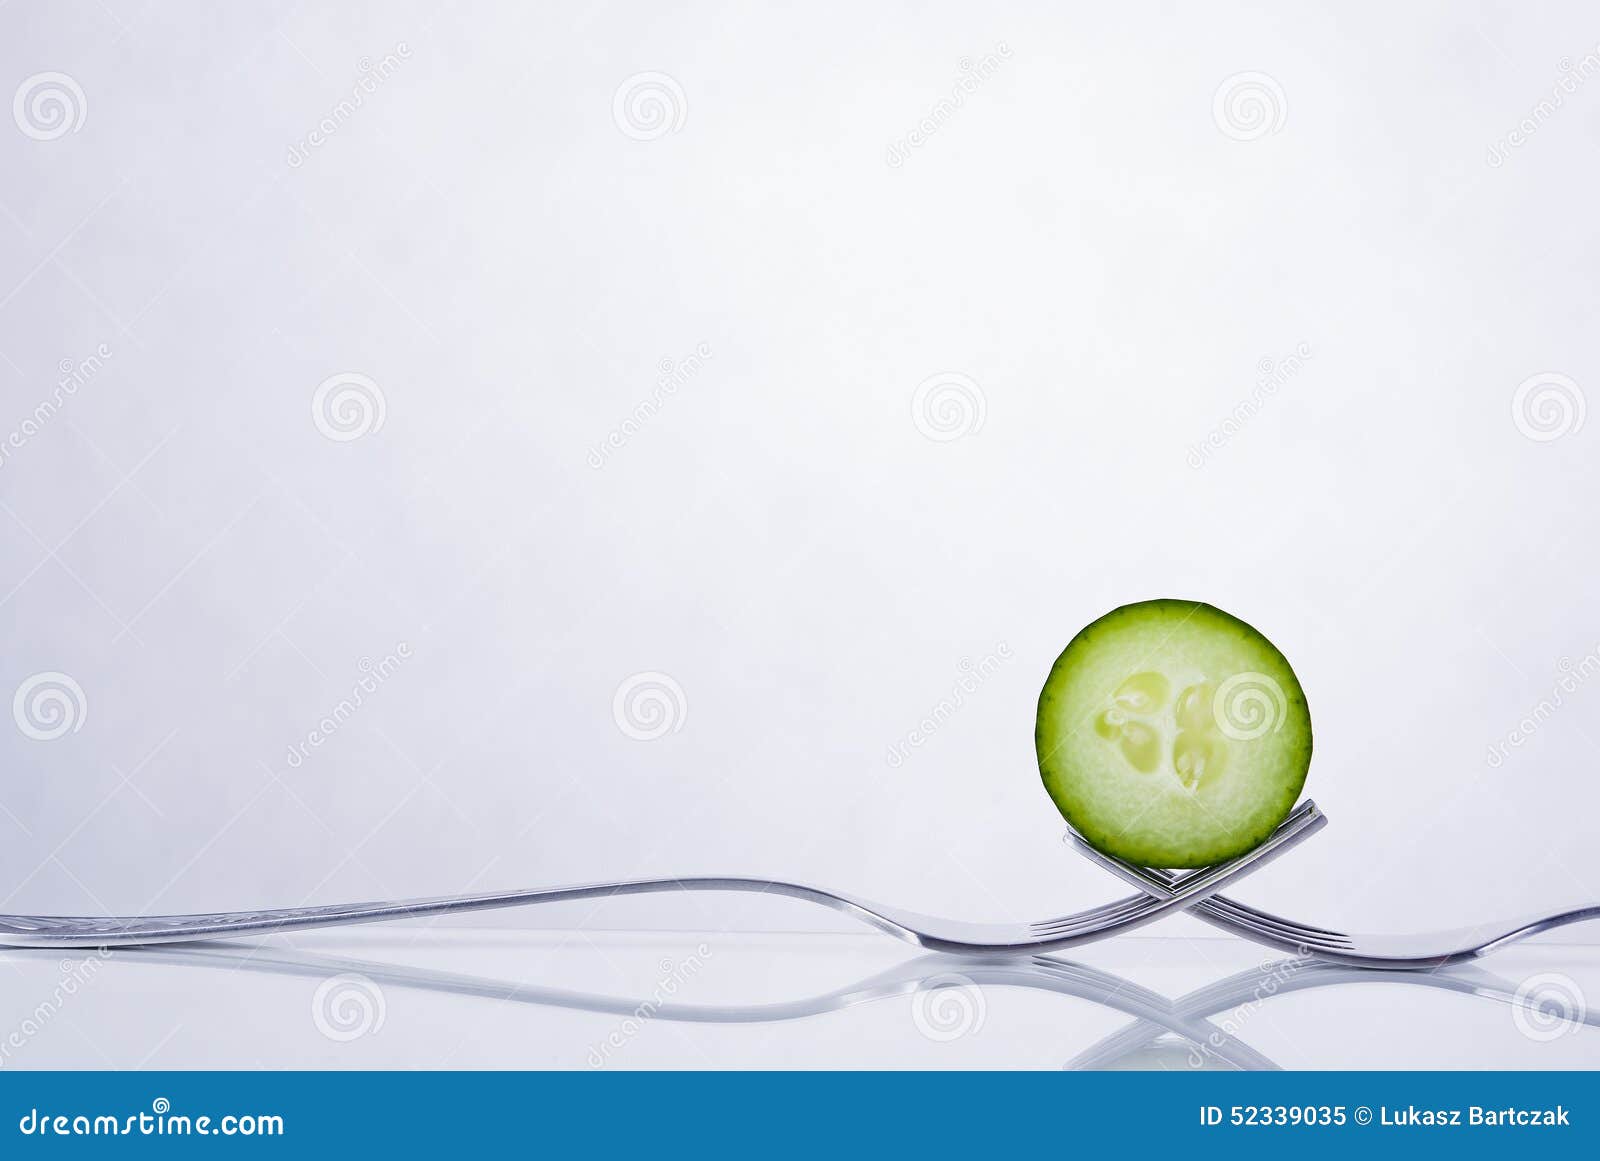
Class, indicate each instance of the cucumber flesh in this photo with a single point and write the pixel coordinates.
(1172, 734)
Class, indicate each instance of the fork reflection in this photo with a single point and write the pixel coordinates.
(1163, 1033)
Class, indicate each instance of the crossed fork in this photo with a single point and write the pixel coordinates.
(1162, 893)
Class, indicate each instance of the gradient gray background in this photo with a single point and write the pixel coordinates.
(1081, 239)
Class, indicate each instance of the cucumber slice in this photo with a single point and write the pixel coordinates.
(1172, 734)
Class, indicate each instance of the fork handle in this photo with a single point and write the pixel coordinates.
(129, 931)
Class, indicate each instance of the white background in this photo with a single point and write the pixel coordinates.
(1082, 238)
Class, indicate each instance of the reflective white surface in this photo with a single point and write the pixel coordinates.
(417, 997)
(787, 538)
(788, 554)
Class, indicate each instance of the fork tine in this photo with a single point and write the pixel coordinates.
(1229, 912)
(1264, 919)
(1223, 911)
(1111, 913)
(1233, 906)
(1302, 942)
(1191, 888)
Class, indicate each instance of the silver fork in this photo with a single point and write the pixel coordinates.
(924, 930)
(1419, 951)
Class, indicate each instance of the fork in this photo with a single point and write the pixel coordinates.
(927, 931)
(1419, 951)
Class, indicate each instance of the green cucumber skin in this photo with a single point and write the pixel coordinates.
(1210, 848)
